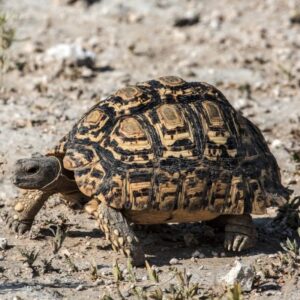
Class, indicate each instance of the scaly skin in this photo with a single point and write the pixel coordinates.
(28, 205)
(117, 230)
(240, 232)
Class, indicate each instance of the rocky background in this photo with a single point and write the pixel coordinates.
(58, 58)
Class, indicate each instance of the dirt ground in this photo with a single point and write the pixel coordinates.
(248, 49)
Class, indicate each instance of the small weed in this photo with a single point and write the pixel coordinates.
(289, 214)
(139, 293)
(291, 247)
(29, 256)
(59, 232)
(47, 265)
(107, 297)
(157, 294)
(152, 274)
(246, 90)
(7, 34)
(94, 272)
(117, 273)
(131, 273)
(71, 264)
(296, 156)
(290, 76)
(235, 293)
(185, 288)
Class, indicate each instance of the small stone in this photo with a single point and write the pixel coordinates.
(188, 20)
(3, 243)
(74, 53)
(144, 278)
(242, 274)
(201, 267)
(173, 261)
(276, 143)
(80, 287)
(295, 18)
(198, 254)
(214, 254)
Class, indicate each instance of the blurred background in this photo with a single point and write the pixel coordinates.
(60, 57)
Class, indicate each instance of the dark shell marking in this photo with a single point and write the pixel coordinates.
(168, 144)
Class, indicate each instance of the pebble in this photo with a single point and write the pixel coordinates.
(276, 143)
(214, 253)
(80, 287)
(187, 20)
(144, 278)
(198, 254)
(173, 261)
(73, 52)
(3, 243)
(242, 274)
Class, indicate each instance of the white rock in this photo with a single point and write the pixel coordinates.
(276, 143)
(144, 278)
(242, 274)
(173, 261)
(198, 254)
(72, 52)
(79, 287)
(3, 243)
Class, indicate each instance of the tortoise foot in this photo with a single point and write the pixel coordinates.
(19, 226)
(240, 233)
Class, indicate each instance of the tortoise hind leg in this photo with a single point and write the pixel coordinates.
(240, 232)
(120, 234)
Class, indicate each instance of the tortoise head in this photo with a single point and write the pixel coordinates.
(36, 172)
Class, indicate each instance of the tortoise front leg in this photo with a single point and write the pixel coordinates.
(26, 208)
(117, 230)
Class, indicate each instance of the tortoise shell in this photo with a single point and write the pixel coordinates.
(170, 145)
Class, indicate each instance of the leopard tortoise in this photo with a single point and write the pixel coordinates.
(160, 151)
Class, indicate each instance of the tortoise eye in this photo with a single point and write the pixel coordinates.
(32, 170)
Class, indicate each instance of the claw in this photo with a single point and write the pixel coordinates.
(236, 242)
(229, 237)
(18, 226)
(243, 243)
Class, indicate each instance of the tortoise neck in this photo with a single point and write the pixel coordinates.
(61, 183)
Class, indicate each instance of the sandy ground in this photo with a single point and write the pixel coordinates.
(248, 49)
